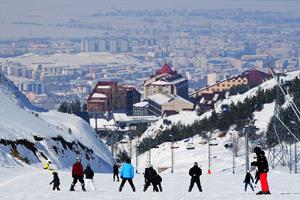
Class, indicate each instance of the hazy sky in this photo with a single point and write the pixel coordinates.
(276, 5)
(15, 12)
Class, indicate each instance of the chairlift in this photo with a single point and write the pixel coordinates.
(174, 146)
(125, 140)
(213, 142)
(190, 146)
(228, 144)
(186, 140)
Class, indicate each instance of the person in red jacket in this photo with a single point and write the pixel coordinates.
(77, 174)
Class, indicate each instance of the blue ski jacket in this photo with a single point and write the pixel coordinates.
(127, 171)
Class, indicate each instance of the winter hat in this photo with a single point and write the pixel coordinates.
(257, 150)
(78, 159)
(195, 163)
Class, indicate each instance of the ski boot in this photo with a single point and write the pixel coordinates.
(72, 188)
(120, 189)
(268, 192)
(83, 188)
(260, 193)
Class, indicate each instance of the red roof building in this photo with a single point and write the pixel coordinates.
(165, 69)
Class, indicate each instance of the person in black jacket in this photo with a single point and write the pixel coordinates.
(150, 175)
(263, 168)
(116, 172)
(89, 177)
(195, 173)
(55, 181)
(248, 181)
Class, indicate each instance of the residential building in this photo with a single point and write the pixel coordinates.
(166, 81)
(250, 78)
(167, 104)
(141, 108)
(108, 96)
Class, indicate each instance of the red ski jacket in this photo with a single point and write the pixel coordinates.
(77, 169)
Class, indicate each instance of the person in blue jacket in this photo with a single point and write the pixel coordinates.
(127, 174)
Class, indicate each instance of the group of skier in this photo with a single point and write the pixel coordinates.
(153, 178)
(77, 174)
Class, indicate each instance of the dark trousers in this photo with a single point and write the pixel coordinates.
(159, 186)
(124, 181)
(56, 187)
(193, 181)
(246, 185)
(116, 175)
(75, 179)
(147, 184)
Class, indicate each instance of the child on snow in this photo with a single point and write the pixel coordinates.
(248, 181)
(55, 181)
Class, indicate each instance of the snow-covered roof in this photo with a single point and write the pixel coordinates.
(160, 83)
(103, 87)
(98, 95)
(122, 117)
(164, 98)
(160, 98)
(178, 81)
(141, 104)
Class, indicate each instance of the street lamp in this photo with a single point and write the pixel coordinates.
(246, 132)
(136, 155)
(209, 157)
(233, 154)
(247, 129)
(172, 153)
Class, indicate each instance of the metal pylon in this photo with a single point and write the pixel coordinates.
(278, 154)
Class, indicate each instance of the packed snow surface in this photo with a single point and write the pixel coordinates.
(33, 184)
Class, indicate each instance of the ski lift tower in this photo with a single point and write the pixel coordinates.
(279, 153)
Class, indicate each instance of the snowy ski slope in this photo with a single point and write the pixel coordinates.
(38, 134)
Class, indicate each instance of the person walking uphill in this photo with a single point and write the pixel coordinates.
(263, 169)
(77, 174)
(89, 177)
(248, 181)
(127, 174)
(195, 173)
(116, 172)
